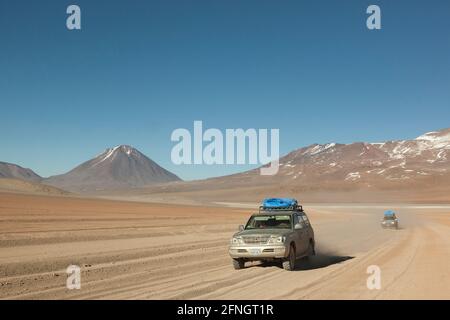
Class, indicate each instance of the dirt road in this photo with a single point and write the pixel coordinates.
(130, 250)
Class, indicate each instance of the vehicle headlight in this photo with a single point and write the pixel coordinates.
(236, 240)
(277, 239)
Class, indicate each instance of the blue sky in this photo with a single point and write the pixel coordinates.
(140, 69)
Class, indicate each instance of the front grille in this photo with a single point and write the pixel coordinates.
(256, 239)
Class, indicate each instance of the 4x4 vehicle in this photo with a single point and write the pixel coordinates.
(389, 220)
(279, 231)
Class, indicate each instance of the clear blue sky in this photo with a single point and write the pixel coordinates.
(139, 69)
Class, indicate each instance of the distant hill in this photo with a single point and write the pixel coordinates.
(22, 186)
(14, 171)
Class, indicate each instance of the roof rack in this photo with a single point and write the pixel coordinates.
(290, 208)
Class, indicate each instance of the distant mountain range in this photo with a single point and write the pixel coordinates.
(415, 170)
(370, 163)
(120, 167)
(421, 163)
(357, 164)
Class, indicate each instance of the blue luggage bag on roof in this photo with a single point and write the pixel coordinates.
(389, 213)
(279, 203)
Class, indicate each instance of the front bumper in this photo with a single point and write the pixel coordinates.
(258, 252)
(389, 225)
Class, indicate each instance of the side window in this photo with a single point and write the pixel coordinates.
(305, 219)
(296, 219)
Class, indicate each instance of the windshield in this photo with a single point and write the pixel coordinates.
(269, 222)
(389, 217)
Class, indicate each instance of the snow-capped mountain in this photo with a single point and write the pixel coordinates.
(335, 166)
(14, 171)
(427, 155)
(119, 167)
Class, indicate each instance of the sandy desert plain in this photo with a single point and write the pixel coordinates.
(143, 250)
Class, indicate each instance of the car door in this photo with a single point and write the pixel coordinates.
(309, 230)
(301, 242)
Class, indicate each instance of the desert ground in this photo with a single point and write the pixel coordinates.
(137, 250)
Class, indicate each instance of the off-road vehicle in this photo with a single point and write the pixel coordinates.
(389, 220)
(280, 231)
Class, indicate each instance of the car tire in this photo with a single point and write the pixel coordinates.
(289, 262)
(311, 249)
(238, 264)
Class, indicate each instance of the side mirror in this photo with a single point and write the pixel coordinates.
(298, 226)
(241, 227)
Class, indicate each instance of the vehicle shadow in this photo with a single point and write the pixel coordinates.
(319, 261)
(315, 262)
